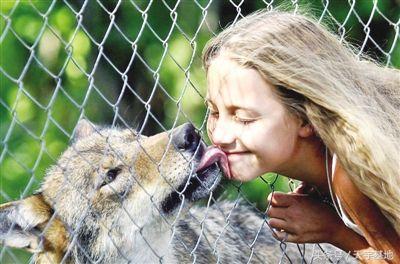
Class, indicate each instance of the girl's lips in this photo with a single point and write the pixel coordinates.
(236, 153)
(212, 155)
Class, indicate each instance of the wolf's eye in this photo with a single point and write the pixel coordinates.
(110, 176)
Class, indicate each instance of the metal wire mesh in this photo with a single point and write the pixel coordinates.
(137, 64)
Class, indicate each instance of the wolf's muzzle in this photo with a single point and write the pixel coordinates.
(199, 183)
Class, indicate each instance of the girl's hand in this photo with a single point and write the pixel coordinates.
(299, 218)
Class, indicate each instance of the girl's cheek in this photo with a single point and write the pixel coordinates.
(253, 136)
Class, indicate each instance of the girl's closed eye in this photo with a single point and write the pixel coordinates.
(213, 113)
(245, 116)
(244, 121)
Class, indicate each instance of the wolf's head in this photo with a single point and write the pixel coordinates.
(110, 191)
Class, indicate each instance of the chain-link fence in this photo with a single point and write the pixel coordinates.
(136, 64)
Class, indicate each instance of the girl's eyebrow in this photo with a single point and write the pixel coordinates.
(231, 107)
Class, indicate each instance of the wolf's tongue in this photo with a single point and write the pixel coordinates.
(212, 155)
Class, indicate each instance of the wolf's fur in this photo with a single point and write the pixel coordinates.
(78, 216)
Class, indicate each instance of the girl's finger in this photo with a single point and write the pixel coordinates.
(280, 224)
(277, 212)
(284, 236)
(305, 188)
(302, 188)
(280, 199)
(277, 223)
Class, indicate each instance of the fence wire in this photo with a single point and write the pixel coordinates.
(136, 65)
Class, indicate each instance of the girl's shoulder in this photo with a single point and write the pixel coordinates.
(363, 211)
(354, 202)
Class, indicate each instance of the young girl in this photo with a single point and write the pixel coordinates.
(286, 96)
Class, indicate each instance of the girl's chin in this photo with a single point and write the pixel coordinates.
(243, 175)
(241, 168)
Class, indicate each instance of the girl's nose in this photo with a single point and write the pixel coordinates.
(221, 133)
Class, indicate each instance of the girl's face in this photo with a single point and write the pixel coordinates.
(248, 122)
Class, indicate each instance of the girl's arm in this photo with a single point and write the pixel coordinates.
(349, 241)
(384, 242)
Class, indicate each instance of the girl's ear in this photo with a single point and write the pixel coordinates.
(306, 130)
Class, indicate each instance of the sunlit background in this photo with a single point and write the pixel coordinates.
(132, 63)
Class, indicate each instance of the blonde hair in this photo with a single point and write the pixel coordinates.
(352, 103)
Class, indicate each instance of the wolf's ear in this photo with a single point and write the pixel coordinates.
(19, 222)
(83, 129)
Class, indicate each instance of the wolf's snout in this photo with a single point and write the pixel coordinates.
(186, 138)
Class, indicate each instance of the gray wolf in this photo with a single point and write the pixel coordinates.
(118, 197)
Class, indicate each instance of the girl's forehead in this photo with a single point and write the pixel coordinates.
(222, 67)
(236, 85)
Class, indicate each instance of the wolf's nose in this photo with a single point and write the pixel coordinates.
(186, 138)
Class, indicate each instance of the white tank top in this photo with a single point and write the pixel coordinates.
(336, 202)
